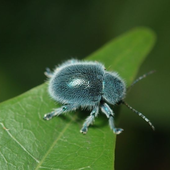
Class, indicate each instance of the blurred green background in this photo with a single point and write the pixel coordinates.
(39, 34)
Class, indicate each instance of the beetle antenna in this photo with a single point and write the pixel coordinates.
(140, 78)
(139, 114)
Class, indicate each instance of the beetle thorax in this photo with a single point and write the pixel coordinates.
(113, 88)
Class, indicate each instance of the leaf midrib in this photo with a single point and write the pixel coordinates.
(57, 139)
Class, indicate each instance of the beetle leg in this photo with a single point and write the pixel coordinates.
(48, 73)
(109, 113)
(89, 120)
(59, 111)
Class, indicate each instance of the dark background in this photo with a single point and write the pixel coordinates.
(39, 34)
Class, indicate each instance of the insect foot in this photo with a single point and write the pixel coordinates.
(84, 130)
(117, 130)
(48, 116)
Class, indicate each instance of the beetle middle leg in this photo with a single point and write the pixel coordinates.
(60, 110)
(89, 119)
(109, 113)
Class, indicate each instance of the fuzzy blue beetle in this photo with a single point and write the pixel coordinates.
(88, 85)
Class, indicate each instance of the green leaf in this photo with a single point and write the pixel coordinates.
(29, 142)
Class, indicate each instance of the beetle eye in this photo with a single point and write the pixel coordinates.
(120, 102)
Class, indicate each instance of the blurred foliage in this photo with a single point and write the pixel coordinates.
(39, 34)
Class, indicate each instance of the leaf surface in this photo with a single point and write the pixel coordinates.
(29, 142)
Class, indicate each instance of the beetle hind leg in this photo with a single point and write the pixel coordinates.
(59, 111)
(48, 73)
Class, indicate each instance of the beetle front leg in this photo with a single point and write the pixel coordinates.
(109, 113)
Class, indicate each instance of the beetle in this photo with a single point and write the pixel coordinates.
(86, 84)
